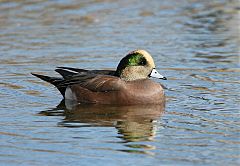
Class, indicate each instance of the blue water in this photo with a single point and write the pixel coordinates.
(195, 44)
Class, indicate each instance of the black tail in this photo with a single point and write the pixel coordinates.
(53, 80)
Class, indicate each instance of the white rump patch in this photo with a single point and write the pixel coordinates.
(69, 94)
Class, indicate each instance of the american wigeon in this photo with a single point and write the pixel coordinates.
(128, 85)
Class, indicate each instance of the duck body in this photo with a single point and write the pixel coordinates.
(116, 91)
(128, 85)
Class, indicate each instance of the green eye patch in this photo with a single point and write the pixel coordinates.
(134, 59)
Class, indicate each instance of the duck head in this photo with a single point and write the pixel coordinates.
(137, 64)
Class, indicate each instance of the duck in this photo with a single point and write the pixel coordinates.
(129, 84)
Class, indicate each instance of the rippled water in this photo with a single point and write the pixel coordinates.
(194, 43)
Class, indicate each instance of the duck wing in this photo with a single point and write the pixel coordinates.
(94, 82)
(68, 72)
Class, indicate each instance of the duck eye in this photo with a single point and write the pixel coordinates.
(143, 62)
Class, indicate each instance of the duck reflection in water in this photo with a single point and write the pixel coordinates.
(134, 123)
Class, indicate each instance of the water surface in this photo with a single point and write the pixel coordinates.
(195, 44)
